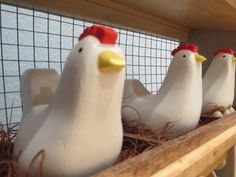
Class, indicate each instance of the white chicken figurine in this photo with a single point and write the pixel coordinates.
(179, 99)
(80, 128)
(219, 82)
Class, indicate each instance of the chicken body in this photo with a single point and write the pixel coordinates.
(178, 101)
(219, 82)
(80, 129)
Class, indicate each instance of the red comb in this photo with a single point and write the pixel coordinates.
(104, 34)
(190, 47)
(223, 50)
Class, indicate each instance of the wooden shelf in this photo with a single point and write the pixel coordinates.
(173, 19)
(107, 11)
(193, 14)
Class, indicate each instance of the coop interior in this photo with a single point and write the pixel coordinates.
(41, 34)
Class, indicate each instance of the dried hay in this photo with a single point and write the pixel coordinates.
(138, 138)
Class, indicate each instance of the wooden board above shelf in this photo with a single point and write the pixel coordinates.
(216, 15)
(174, 19)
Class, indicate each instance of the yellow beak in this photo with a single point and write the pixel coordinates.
(200, 58)
(234, 60)
(109, 61)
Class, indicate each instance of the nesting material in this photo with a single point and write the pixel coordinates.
(8, 163)
(214, 114)
(138, 138)
(9, 166)
(218, 112)
(214, 109)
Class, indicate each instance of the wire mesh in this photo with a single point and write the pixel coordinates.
(36, 39)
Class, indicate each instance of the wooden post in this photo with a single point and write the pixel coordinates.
(229, 169)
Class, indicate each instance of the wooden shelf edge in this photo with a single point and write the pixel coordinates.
(142, 15)
(107, 11)
(201, 161)
(232, 3)
(198, 149)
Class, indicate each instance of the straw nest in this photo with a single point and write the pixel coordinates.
(138, 138)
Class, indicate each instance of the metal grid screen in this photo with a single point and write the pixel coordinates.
(34, 39)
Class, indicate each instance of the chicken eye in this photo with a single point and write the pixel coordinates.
(184, 56)
(80, 50)
(223, 56)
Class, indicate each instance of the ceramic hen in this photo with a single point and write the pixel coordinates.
(75, 119)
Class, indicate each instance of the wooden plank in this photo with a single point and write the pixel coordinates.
(194, 14)
(129, 10)
(232, 3)
(108, 11)
(151, 162)
(203, 159)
